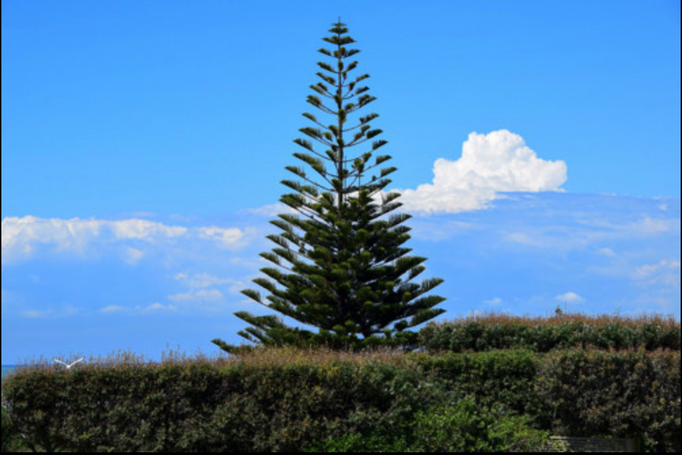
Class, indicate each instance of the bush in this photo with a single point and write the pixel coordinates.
(6, 435)
(496, 377)
(462, 426)
(539, 334)
(11, 440)
(468, 426)
(621, 394)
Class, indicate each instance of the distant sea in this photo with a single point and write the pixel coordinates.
(6, 369)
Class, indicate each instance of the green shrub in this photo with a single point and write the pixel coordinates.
(6, 434)
(468, 426)
(495, 377)
(11, 440)
(540, 334)
(621, 394)
(462, 426)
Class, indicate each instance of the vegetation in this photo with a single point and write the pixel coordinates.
(461, 426)
(8, 436)
(341, 264)
(540, 334)
(293, 399)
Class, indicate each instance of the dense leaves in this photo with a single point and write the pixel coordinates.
(498, 331)
(293, 400)
(458, 426)
(622, 394)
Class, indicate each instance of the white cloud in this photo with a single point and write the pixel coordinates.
(663, 272)
(203, 295)
(493, 302)
(35, 314)
(607, 252)
(526, 239)
(137, 309)
(497, 162)
(226, 238)
(570, 297)
(271, 210)
(649, 226)
(112, 309)
(64, 311)
(142, 229)
(203, 280)
(23, 237)
(133, 255)
(580, 234)
(159, 307)
(20, 236)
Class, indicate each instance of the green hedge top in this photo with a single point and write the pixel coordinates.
(544, 334)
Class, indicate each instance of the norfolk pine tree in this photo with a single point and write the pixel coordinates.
(340, 261)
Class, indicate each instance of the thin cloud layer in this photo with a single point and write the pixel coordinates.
(497, 162)
(570, 297)
(23, 238)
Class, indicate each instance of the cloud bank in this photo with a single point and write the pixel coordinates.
(23, 238)
(490, 163)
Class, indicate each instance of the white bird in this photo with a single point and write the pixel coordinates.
(68, 366)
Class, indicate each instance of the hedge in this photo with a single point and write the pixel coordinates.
(621, 394)
(540, 334)
(291, 400)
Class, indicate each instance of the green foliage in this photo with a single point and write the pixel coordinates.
(341, 264)
(468, 426)
(289, 399)
(495, 331)
(11, 441)
(497, 377)
(622, 394)
(461, 426)
(6, 435)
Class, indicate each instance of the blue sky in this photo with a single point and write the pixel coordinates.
(537, 146)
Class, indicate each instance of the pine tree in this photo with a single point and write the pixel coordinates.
(340, 261)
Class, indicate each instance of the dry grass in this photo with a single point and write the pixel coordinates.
(493, 319)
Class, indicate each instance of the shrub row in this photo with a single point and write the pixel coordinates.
(563, 331)
(613, 393)
(293, 400)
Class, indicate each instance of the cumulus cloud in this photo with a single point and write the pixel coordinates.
(490, 163)
(22, 237)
